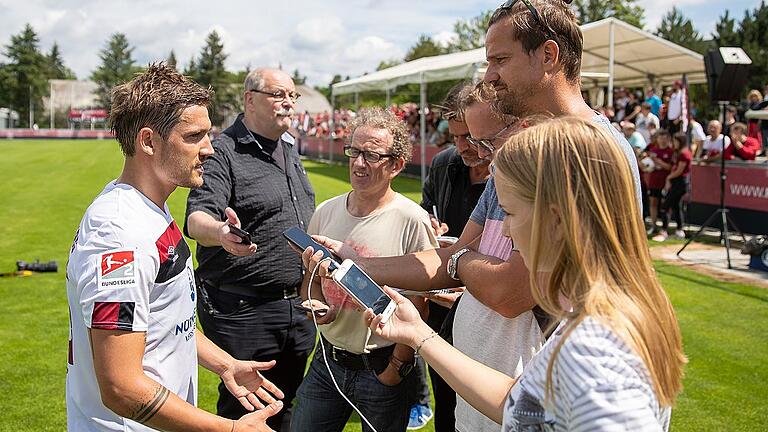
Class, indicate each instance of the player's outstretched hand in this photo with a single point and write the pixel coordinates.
(246, 383)
(257, 421)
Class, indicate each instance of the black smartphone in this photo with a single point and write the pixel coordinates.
(244, 235)
(319, 312)
(297, 237)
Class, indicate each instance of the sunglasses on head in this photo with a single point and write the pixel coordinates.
(509, 4)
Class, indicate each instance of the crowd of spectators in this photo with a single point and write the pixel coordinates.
(318, 125)
(665, 146)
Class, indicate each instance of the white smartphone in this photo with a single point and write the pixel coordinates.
(363, 289)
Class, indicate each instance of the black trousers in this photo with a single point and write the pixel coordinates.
(678, 188)
(259, 330)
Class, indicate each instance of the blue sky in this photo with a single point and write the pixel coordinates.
(319, 38)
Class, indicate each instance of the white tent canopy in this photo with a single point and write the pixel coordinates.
(614, 53)
(639, 57)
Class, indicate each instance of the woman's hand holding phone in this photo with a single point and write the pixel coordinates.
(405, 326)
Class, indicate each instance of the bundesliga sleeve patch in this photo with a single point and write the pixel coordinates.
(113, 315)
(117, 269)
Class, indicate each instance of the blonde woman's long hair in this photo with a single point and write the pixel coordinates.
(602, 265)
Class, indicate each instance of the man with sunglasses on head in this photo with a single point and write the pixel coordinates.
(373, 220)
(248, 290)
(534, 49)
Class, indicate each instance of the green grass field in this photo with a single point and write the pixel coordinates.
(46, 185)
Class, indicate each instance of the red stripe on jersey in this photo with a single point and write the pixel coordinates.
(105, 315)
(168, 241)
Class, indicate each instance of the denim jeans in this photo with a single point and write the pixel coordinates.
(320, 408)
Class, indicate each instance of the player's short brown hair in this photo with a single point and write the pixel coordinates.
(153, 99)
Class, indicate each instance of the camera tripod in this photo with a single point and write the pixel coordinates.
(722, 211)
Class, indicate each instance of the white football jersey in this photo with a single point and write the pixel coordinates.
(129, 269)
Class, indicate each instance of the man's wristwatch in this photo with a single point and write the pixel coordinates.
(403, 368)
(452, 268)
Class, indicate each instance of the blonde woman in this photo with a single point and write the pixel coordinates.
(615, 360)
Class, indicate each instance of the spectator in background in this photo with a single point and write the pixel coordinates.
(714, 144)
(676, 186)
(742, 146)
(756, 102)
(731, 117)
(635, 138)
(620, 100)
(697, 133)
(646, 122)
(764, 123)
(653, 100)
(632, 108)
(661, 153)
(675, 109)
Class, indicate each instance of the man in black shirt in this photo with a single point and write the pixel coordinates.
(247, 291)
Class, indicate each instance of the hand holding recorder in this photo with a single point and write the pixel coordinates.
(234, 239)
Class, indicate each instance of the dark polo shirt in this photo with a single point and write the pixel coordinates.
(267, 186)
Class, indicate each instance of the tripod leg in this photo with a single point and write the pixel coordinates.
(695, 236)
(724, 233)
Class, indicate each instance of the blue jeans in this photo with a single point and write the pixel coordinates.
(320, 408)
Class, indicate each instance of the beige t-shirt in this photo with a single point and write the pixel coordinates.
(398, 228)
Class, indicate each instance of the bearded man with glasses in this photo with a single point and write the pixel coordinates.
(374, 220)
(255, 180)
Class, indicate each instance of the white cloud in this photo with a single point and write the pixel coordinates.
(445, 38)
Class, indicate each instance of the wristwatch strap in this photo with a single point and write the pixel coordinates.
(453, 267)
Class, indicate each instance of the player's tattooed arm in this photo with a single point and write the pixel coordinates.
(146, 409)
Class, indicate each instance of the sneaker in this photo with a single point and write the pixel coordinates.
(680, 235)
(420, 416)
(660, 237)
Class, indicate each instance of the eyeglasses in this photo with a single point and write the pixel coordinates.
(369, 156)
(487, 143)
(280, 95)
(509, 4)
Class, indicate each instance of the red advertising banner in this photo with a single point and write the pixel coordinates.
(746, 186)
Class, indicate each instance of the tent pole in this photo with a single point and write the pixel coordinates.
(423, 127)
(331, 126)
(357, 101)
(611, 58)
(50, 103)
(388, 97)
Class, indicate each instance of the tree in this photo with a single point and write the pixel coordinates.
(56, 68)
(117, 66)
(25, 75)
(386, 64)
(593, 10)
(725, 31)
(298, 78)
(470, 34)
(425, 46)
(675, 27)
(171, 60)
(209, 70)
